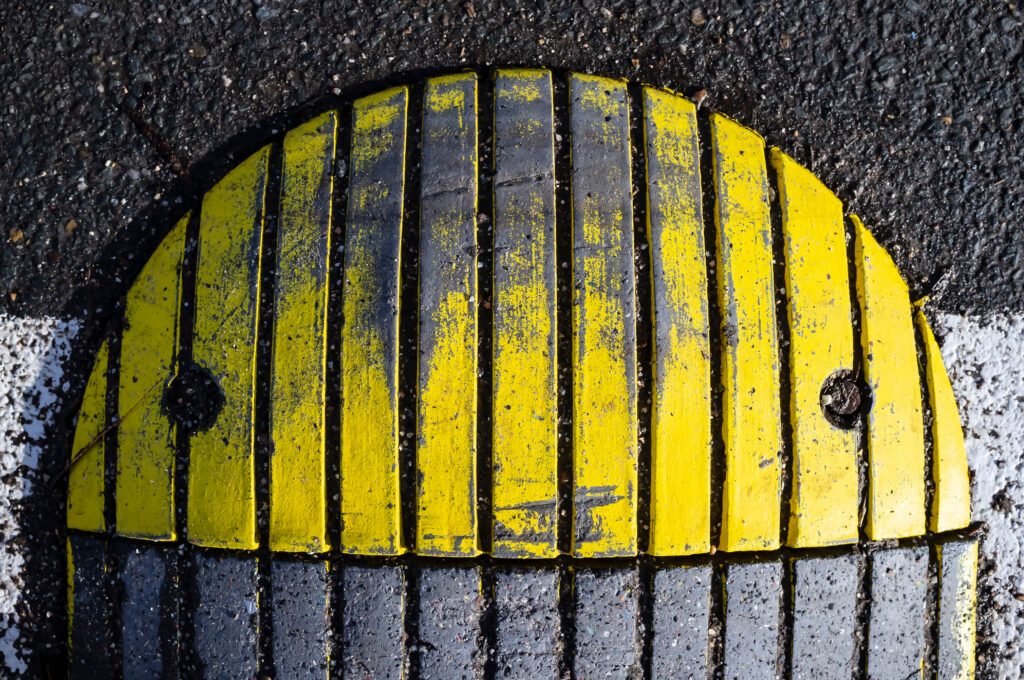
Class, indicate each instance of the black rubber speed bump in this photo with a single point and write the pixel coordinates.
(562, 380)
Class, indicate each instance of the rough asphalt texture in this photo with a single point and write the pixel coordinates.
(115, 111)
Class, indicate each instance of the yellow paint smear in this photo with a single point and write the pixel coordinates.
(222, 507)
(370, 506)
(525, 413)
(604, 376)
(750, 358)
(446, 453)
(298, 492)
(964, 623)
(824, 502)
(951, 502)
(895, 447)
(681, 416)
(85, 480)
(146, 444)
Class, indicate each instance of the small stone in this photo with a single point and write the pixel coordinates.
(197, 51)
(470, 10)
(16, 235)
(784, 41)
(697, 17)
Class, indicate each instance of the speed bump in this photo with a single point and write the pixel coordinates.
(559, 378)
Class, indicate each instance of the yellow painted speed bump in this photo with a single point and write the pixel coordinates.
(713, 466)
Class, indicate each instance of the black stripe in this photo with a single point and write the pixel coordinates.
(261, 401)
(563, 308)
(485, 327)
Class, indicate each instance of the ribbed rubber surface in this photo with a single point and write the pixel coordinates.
(501, 361)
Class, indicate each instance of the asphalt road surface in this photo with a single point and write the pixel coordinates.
(115, 111)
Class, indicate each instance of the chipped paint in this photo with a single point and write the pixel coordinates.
(824, 503)
(681, 416)
(604, 340)
(221, 480)
(370, 508)
(86, 487)
(446, 452)
(146, 444)
(751, 424)
(298, 491)
(525, 437)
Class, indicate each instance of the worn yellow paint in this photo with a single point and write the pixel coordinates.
(895, 437)
(71, 594)
(446, 452)
(146, 436)
(221, 505)
(951, 502)
(370, 507)
(681, 414)
(824, 502)
(298, 506)
(525, 412)
(750, 360)
(965, 618)
(604, 344)
(85, 479)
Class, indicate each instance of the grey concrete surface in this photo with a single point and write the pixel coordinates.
(301, 624)
(449, 624)
(753, 614)
(824, 618)
(896, 627)
(606, 623)
(149, 613)
(527, 623)
(679, 648)
(372, 629)
(226, 619)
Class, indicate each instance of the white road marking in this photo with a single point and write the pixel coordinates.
(985, 360)
(32, 356)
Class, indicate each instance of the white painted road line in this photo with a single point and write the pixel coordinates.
(32, 354)
(985, 360)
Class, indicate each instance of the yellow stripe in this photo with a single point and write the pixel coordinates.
(525, 409)
(446, 451)
(604, 342)
(146, 436)
(681, 415)
(964, 620)
(221, 506)
(370, 508)
(298, 507)
(750, 363)
(85, 480)
(71, 594)
(895, 427)
(824, 503)
(951, 503)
